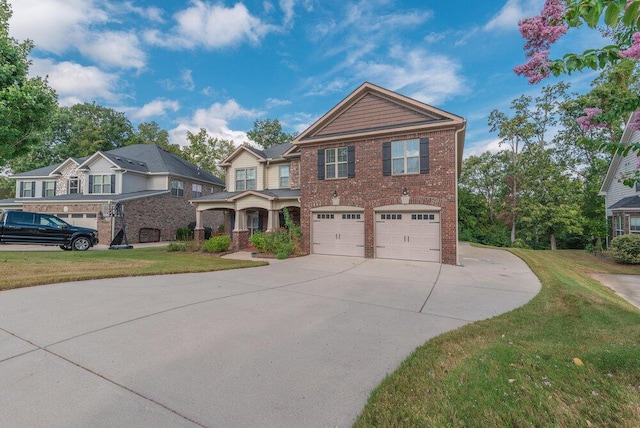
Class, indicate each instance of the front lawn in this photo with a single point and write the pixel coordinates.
(570, 358)
(27, 268)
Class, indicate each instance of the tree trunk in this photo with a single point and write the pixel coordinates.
(552, 239)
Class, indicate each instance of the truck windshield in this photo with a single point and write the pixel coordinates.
(48, 220)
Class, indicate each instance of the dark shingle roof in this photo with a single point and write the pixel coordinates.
(80, 197)
(143, 158)
(276, 193)
(628, 202)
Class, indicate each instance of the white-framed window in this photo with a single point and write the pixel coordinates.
(245, 179)
(196, 190)
(619, 225)
(634, 224)
(177, 188)
(405, 157)
(28, 189)
(73, 185)
(48, 189)
(335, 163)
(102, 183)
(284, 176)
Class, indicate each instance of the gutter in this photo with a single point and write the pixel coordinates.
(457, 136)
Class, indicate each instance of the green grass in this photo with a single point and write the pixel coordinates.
(518, 369)
(27, 268)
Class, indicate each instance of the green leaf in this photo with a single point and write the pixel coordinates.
(612, 15)
(630, 16)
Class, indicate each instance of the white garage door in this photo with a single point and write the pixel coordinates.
(339, 234)
(89, 220)
(408, 236)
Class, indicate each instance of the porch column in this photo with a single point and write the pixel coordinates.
(240, 232)
(198, 233)
(239, 220)
(272, 215)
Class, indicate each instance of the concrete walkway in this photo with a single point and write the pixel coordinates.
(627, 286)
(298, 343)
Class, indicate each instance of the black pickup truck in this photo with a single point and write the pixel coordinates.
(22, 227)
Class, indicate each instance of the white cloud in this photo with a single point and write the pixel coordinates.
(274, 102)
(157, 107)
(187, 80)
(211, 26)
(75, 83)
(114, 48)
(287, 9)
(33, 19)
(425, 76)
(215, 120)
(153, 14)
(490, 145)
(512, 12)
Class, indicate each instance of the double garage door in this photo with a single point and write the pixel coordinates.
(405, 235)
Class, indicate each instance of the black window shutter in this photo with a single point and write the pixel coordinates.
(113, 183)
(44, 188)
(351, 161)
(91, 184)
(424, 155)
(320, 164)
(33, 188)
(21, 189)
(386, 158)
(55, 184)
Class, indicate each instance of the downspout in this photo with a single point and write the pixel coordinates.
(464, 127)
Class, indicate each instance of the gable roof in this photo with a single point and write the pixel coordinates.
(371, 110)
(144, 158)
(617, 158)
(271, 153)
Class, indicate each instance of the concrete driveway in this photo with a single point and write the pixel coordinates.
(301, 342)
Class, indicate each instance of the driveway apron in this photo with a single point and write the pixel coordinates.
(300, 342)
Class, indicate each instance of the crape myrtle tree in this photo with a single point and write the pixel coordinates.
(621, 21)
(26, 103)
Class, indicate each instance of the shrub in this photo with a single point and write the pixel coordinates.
(177, 246)
(183, 234)
(519, 243)
(208, 232)
(258, 240)
(626, 249)
(216, 244)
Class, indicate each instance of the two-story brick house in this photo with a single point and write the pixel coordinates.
(376, 176)
(152, 185)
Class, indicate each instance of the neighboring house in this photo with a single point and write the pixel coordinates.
(376, 176)
(622, 203)
(259, 184)
(152, 186)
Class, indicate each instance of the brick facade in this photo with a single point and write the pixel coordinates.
(370, 189)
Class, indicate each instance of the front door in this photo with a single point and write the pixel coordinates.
(253, 222)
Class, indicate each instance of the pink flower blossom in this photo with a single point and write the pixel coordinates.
(634, 123)
(634, 51)
(536, 69)
(543, 30)
(587, 123)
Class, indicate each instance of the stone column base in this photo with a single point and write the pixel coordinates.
(198, 236)
(240, 239)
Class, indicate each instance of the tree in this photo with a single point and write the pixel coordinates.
(207, 152)
(485, 175)
(83, 129)
(26, 103)
(268, 133)
(621, 19)
(151, 133)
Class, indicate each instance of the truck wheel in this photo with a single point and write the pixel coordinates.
(65, 247)
(81, 243)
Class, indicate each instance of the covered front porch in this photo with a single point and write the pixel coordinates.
(248, 212)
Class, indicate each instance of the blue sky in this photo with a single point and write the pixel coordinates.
(220, 65)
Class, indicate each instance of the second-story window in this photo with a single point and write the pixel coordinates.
(28, 189)
(102, 183)
(335, 162)
(196, 190)
(245, 179)
(73, 185)
(284, 176)
(48, 189)
(406, 157)
(177, 188)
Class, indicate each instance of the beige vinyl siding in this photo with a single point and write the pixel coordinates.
(252, 202)
(101, 166)
(273, 175)
(158, 182)
(245, 160)
(618, 190)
